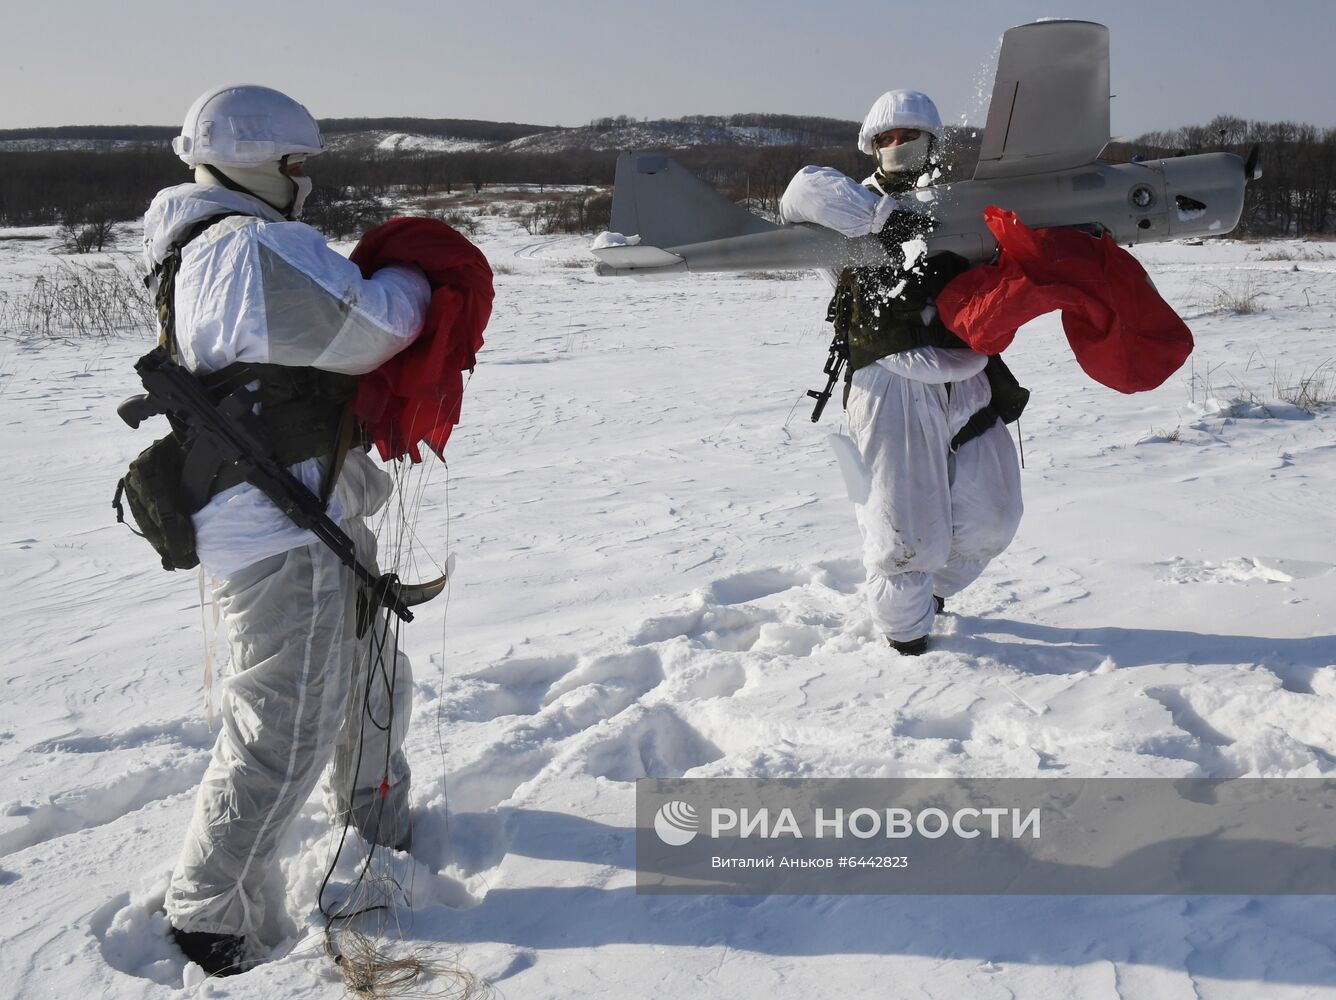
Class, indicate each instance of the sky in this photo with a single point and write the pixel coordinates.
(1174, 62)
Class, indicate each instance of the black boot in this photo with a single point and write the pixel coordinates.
(216, 954)
(910, 647)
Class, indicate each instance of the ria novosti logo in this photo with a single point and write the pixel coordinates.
(676, 823)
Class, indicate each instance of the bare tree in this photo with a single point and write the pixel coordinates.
(92, 228)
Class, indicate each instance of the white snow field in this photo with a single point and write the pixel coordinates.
(658, 575)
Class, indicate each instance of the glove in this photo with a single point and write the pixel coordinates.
(902, 226)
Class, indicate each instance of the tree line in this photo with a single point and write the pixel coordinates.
(809, 130)
(456, 128)
(1296, 195)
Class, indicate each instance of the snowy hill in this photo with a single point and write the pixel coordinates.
(659, 576)
(404, 142)
(677, 135)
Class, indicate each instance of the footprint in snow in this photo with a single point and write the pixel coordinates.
(653, 742)
(1243, 569)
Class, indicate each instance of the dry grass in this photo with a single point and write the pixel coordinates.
(1262, 381)
(464, 222)
(1309, 390)
(438, 203)
(80, 301)
(1160, 436)
(1239, 297)
(530, 197)
(773, 275)
(1296, 253)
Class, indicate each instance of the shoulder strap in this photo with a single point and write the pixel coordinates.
(165, 273)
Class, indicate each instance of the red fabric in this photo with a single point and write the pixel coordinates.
(415, 397)
(1123, 334)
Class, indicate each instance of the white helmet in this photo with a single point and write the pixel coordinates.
(899, 109)
(245, 126)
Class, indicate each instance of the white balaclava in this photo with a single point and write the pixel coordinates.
(265, 181)
(907, 157)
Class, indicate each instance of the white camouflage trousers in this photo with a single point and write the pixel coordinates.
(932, 520)
(292, 701)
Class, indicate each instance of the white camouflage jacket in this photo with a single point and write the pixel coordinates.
(260, 289)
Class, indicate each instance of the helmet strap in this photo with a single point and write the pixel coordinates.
(232, 185)
(292, 187)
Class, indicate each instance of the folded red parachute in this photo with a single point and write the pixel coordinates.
(1123, 334)
(415, 397)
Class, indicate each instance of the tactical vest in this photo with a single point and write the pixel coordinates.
(884, 310)
(887, 309)
(881, 310)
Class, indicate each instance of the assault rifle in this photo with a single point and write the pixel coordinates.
(839, 354)
(228, 432)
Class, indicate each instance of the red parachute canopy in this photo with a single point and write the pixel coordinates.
(415, 397)
(1123, 334)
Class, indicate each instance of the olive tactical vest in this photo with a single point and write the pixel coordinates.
(884, 310)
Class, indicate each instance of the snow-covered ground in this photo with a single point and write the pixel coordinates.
(658, 575)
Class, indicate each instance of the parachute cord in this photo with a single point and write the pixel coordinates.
(382, 641)
(445, 636)
(440, 687)
(332, 915)
(366, 971)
